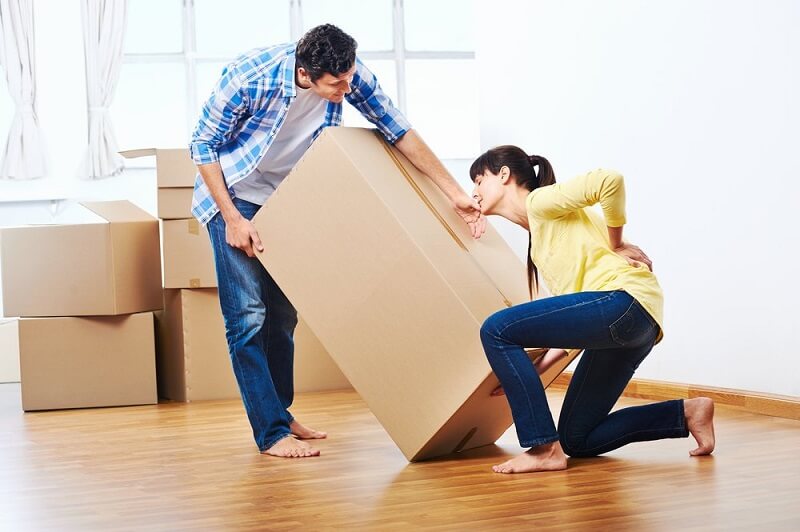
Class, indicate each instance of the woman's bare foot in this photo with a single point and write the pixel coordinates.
(699, 413)
(290, 447)
(547, 457)
(304, 433)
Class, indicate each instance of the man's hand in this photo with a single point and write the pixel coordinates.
(634, 255)
(470, 212)
(241, 234)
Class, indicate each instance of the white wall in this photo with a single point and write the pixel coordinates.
(696, 103)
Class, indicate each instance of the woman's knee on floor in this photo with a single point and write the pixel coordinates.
(574, 443)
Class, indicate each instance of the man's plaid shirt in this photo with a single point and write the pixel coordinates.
(248, 105)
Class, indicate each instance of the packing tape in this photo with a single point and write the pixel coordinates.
(193, 226)
(422, 195)
(435, 212)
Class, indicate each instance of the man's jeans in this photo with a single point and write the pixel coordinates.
(617, 334)
(259, 326)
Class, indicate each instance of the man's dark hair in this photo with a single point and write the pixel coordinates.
(326, 50)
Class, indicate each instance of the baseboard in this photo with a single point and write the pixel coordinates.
(758, 403)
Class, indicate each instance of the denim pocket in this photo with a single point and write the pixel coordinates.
(633, 327)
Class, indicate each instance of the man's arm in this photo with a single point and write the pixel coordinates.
(239, 231)
(219, 120)
(414, 148)
(370, 100)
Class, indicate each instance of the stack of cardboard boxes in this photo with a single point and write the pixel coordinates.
(85, 294)
(193, 360)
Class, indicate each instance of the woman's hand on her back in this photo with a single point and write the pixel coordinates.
(634, 255)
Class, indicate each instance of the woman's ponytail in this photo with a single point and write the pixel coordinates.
(530, 172)
(545, 175)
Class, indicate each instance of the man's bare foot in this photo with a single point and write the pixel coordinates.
(547, 457)
(699, 413)
(290, 447)
(304, 433)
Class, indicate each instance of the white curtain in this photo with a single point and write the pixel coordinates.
(23, 155)
(103, 35)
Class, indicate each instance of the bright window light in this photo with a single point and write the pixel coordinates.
(447, 116)
(439, 25)
(149, 108)
(154, 27)
(368, 22)
(231, 27)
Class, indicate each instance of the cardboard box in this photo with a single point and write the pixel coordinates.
(175, 174)
(188, 256)
(87, 362)
(390, 280)
(106, 268)
(174, 203)
(9, 351)
(193, 360)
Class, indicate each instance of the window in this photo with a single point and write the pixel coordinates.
(175, 51)
(226, 28)
(369, 22)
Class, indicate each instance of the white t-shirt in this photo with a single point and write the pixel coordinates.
(306, 114)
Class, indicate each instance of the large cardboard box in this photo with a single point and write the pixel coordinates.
(193, 359)
(188, 256)
(9, 351)
(109, 267)
(389, 279)
(87, 362)
(175, 174)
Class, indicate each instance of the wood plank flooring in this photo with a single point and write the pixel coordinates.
(195, 467)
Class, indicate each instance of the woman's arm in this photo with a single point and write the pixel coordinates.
(605, 187)
(633, 254)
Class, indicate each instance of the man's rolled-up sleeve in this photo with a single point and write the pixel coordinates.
(220, 118)
(368, 97)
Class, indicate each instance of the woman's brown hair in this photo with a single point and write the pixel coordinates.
(523, 168)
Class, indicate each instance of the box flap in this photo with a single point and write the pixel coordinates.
(118, 211)
(135, 154)
(174, 166)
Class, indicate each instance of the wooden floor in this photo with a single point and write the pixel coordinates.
(195, 467)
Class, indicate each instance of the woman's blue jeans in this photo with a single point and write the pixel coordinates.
(259, 326)
(616, 334)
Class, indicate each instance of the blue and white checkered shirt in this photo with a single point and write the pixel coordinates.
(248, 105)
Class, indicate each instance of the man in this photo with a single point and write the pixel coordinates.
(263, 114)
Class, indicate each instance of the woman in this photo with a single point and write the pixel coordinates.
(605, 301)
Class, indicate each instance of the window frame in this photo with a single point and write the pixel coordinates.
(190, 58)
